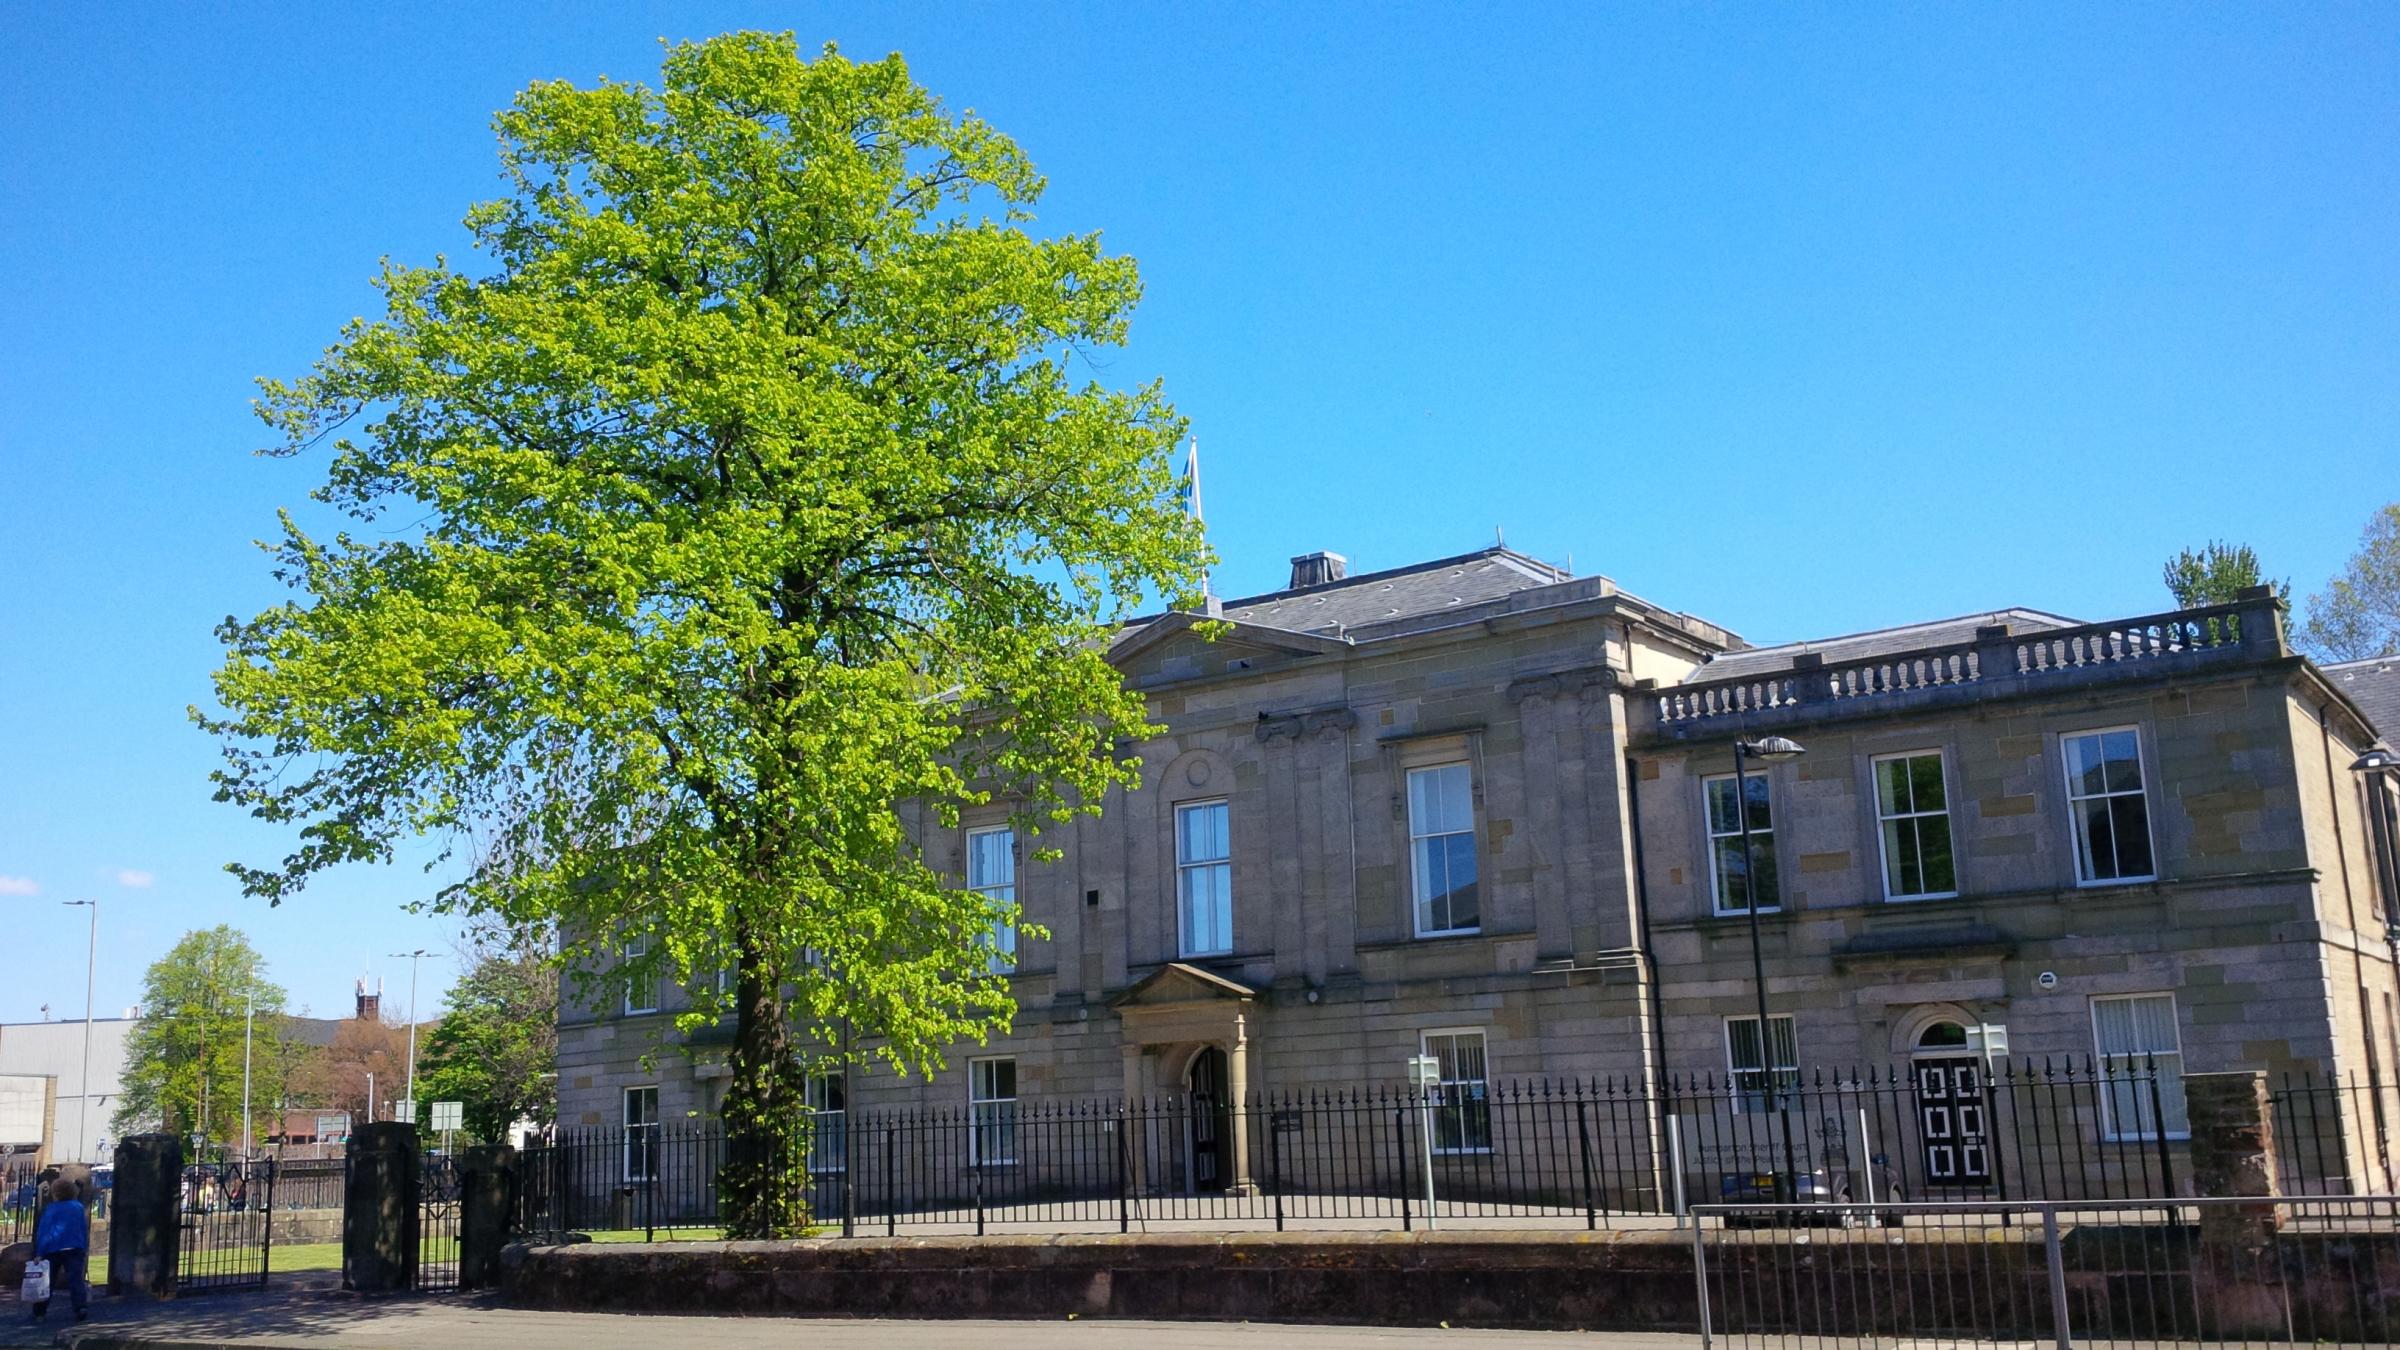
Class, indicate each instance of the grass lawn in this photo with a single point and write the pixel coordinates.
(664, 1235)
(285, 1257)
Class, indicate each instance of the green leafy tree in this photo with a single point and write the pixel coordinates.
(749, 495)
(183, 1070)
(495, 1051)
(2357, 615)
(2214, 574)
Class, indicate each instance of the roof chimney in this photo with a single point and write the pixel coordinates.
(1318, 568)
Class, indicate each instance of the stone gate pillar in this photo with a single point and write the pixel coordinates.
(487, 1193)
(2233, 1153)
(381, 1209)
(145, 1219)
(2239, 1289)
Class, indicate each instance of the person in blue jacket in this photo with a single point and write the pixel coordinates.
(63, 1237)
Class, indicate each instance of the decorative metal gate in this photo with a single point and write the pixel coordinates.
(228, 1220)
(1952, 1121)
(437, 1224)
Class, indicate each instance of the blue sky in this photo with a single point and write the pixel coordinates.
(1801, 318)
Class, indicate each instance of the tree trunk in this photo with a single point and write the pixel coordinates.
(762, 1190)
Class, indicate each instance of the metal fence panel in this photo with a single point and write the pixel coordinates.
(1587, 1153)
(228, 1211)
(2222, 1271)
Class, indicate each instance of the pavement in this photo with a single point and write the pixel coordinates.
(304, 1313)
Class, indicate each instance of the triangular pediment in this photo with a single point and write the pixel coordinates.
(1181, 627)
(1177, 983)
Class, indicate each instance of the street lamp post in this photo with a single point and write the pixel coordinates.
(91, 958)
(1770, 750)
(413, 958)
(249, 1011)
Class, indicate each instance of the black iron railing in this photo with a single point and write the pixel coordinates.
(2333, 1134)
(1581, 1153)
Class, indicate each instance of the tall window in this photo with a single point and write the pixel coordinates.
(641, 989)
(992, 1100)
(992, 874)
(1726, 867)
(2132, 1032)
(1204, 878)
(2104, 794)
(641, 1133)
(1912, 807)
(1462, 1112)
(829, 1110)
(1441, 845)
(1753, 1077)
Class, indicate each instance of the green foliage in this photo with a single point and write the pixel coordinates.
(183, 1071)
(748, 495)
(2357, 615)
(495, 1050)
(2214, 574)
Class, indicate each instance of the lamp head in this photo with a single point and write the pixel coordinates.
(2378, 759)
(1772, 749)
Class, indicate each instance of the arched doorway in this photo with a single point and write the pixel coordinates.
(1211, 1123)
(1953, 1110)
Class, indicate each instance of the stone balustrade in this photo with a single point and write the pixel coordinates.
(1998, 661)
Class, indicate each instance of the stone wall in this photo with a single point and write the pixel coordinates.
(1520, 1280)
(2134, 1280)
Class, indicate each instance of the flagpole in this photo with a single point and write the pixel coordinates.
(1191, 473)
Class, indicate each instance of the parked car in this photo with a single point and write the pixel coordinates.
(1767, 1188)
(22, 1196)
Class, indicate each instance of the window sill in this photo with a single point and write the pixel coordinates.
(1440, 933)
(2106, 882)
(1467, 935)
(2173, 1137)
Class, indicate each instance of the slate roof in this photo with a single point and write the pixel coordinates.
(1399, 592)
(2374, 685)
(1754, 661)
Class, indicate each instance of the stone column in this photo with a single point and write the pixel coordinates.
(1995, 653)
(2261, 620)
(487, 1191)
(1237, 1090)
(145, 1219)
(380, 1209)
(1541, 830)
(1136, 1144)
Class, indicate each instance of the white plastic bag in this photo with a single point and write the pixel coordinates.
(37, 1282)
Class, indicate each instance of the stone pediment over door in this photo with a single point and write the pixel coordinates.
(1176, 985)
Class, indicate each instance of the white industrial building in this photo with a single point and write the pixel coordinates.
(78, 1110)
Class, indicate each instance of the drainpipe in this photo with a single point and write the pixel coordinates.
(1641, 919)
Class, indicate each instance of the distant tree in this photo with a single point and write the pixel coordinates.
(2215, 574)
(495, 1050)
(183, 1071)
(367, 1055)
(2357, 615)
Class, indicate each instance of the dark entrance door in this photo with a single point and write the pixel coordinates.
(1951, 1116)
(1209, 1120)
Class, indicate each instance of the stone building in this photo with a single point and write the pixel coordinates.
(1482, 810)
